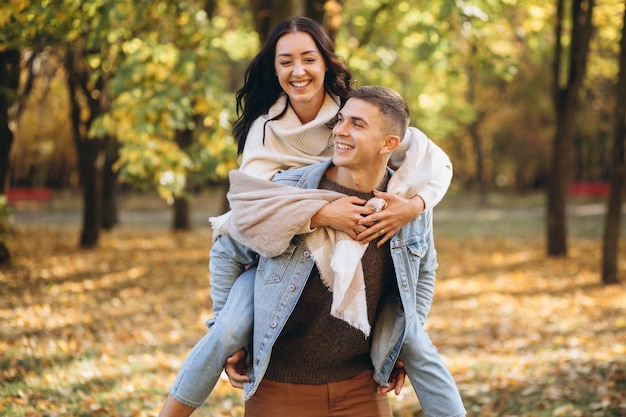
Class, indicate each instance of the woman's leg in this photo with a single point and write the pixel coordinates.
(231, 331)
(431, 379)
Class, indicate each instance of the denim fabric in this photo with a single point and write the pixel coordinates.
(431, 380)
(278, 284)
(204, 364)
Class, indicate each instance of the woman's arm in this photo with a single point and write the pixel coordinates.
(424, 169)
(425, 288)
(342, 214)
(420, 182)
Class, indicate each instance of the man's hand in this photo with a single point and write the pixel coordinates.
(396, 380)
(385, 223)
(236, 369)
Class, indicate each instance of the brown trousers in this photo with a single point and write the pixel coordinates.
(353, 397)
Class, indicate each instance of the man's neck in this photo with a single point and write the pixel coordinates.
(364, 180)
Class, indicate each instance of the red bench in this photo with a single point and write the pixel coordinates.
(38, 195)
(589, 189)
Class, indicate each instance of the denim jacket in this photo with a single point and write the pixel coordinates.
(280, 280)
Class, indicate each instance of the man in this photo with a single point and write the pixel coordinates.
(307, 358)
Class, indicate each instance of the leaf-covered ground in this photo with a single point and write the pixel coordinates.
(102, 332)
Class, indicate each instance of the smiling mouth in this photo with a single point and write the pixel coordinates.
(344, 147)
(300, 84)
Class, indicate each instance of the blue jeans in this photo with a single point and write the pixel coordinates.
(231, 331)
(431, 380)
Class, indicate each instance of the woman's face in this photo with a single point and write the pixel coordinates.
(300, 68)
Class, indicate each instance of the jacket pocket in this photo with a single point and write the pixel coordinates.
(414, 251)
(272, 270)
(417, 246)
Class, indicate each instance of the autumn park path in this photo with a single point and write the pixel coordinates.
(504, 217)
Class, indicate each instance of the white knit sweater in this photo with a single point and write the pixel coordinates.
(287, 143)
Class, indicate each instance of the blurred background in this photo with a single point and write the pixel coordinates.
(115, 145)
(105, 96)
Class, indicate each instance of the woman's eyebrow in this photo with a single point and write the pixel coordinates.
(312, 51)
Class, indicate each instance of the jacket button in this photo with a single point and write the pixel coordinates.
(292, 287)
(273, 325)
(306, 253)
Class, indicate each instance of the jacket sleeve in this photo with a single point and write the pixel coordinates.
(424, 169)
(228, 260)
(440, 180)
(425, 288)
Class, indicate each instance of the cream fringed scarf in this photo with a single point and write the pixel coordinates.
(260, 206)
(268, 215)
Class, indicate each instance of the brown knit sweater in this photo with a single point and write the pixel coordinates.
(315, 347)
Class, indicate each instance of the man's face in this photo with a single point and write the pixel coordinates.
(358, 135)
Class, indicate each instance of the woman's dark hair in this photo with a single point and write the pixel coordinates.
(261, 88)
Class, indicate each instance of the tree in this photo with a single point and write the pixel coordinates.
(267, 14)
(9, 83)
(170, 108)
(617, 173)
(14, 35)
(568, 72)
(79, 30)
(457, 64)
(90, 150)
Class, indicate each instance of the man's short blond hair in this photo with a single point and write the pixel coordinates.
(392, 107)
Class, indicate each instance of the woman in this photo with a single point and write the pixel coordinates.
(289, 102)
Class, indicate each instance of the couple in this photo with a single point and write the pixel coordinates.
(318, 352)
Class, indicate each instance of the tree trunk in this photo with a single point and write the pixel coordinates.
(182, 217)
(90, 165)
(613, 219)
(566, 105)
(477, 145)
(474, 130)
(182, 208)
(326, 12)
(9, 83)
(268, 14)
(90, 150)
(109, 185)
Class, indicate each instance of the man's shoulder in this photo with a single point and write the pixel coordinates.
(293, 176)
(293, 172)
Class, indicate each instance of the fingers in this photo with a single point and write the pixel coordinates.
(377, 231)
(401, 376)
(342, 214)
(384, 224)
(235, 369)
(384, 390)
(384, 239)
(396, 380)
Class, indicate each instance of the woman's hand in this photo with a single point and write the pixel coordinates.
(384, 224)
(236, 369)
(342, 214)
